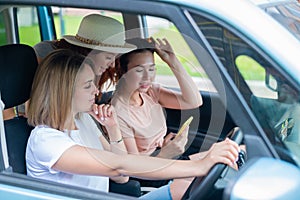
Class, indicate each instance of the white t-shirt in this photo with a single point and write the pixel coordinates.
(46, 145)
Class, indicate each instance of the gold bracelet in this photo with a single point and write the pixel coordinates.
(116, 142)
(16, 111)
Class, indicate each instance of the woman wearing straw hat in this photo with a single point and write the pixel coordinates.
(100, 38)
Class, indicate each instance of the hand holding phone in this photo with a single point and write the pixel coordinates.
(186, 123)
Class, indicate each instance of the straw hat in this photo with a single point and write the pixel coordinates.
(101, 33)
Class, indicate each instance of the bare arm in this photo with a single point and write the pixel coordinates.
(131, 146)
(117, 148)
(82, 160)
(116, 144)
(189, 97)
(129, 140)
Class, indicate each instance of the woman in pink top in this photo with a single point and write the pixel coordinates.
(139, 103)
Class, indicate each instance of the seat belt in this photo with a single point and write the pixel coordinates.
(4, 164)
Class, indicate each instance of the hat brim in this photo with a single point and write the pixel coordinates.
(124, 49)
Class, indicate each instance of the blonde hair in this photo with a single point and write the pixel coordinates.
(53, 87)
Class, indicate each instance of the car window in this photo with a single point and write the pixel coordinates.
(25, 28)
(3, 30)
(163, 28)
(271, 97)
(28, 26)
(67, 20)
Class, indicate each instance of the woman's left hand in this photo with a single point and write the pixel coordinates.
(174, 146)
(105, 114)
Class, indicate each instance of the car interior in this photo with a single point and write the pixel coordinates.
(276, 107)
(16, 147)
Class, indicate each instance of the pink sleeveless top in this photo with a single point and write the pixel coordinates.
(146, 123)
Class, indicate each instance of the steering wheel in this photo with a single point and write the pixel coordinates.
(201, 186)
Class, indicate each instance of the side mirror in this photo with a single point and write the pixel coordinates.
(271, 82)
(265, 178)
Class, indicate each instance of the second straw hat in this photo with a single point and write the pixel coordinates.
(101, 33)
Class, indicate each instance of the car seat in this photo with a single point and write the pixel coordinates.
(18, 64)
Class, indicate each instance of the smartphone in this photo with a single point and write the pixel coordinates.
(186, 123)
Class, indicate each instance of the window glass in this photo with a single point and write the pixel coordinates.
(28, 27)
(67, 20)
(162, 28)
(254, 75)
(272, 98)
(3, 39)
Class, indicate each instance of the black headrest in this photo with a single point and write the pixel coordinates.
(18, 64)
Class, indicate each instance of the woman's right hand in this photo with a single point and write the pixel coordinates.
(164, 50)
(105, 114)
(222, 152)
(174, 146)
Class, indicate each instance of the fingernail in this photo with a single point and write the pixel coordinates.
(96, 112)
(102, 118)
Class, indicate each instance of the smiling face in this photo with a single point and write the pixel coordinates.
(85, 90)
(102, 61)
(141, 71)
